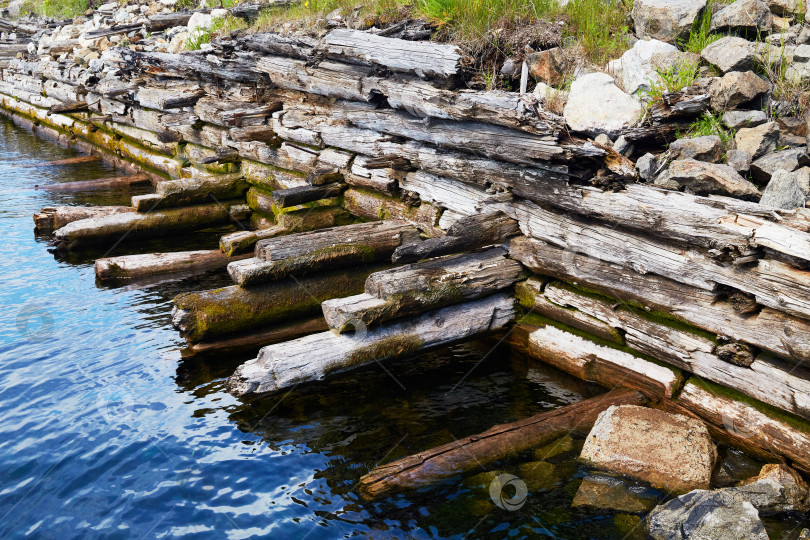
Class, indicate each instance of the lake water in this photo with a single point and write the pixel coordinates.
(106, 432)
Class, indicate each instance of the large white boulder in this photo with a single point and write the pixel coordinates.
(667, 20)
(596, 105)
(200, 22)
(635, 69)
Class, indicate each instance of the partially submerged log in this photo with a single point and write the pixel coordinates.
(54, 217)
(415, 288)
(206, 315)
(114, 182)
(172, 193)
(467, 234)
(113, 229)
(110, 269)
(68, 161)
(288, 364)
(335, 247)
(485, 449)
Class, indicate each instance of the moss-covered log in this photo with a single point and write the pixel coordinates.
(189, 191)
(319, 355)
(116, 228)
(205, 315)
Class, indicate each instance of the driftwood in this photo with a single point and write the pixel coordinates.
(189, 191)
(116, 228)
(466, 234)
(287, 364)
(162, 21)
(71, 107)
(334, 247)
(254, 340)
(54, 217)
(151, 264)
(68, 161)
(415, 288)
(286, 198)
(206, 315)
(113, 30)
(115, 182)
(485, 449)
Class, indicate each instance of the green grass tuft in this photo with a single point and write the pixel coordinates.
(708, 124)
(700, 36)
(58, 9)
(221, 26)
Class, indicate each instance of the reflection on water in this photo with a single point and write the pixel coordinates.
(106, 432)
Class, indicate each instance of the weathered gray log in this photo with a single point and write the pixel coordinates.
(170, 97)
(422, 58)
(205, 315)
(466, 234)
(127, 267)
(287, 364)
(162, 21)
(244, 241)
(334, 247)
(70, 107)
(301, 47)
(286, 198)
(193, 66)
(187, 191)
(497, 443)
(114, 182)
(374, 206)
(422, 286)
(324, 175)
(255, 133)
(112, 30)
(54, 217)
(765, 328)
(68, 161)
(116, 228)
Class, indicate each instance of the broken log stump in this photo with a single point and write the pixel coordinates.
(54, 217)
(287, 364)
(335, 247)
(497, 443)
(422, 286)
(111, 269)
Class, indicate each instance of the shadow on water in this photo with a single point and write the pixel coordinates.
(108, 433)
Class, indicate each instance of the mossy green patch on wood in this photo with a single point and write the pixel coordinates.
(385, 348)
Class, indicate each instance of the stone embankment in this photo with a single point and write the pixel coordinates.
(367, 179)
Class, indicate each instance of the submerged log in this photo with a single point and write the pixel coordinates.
(68, 161)
(189, 191)
(113, 182)
(335, 247)
(116, 228)
(287, 364)
(485, 449)
(422, 286)
(205, 315)
(54, 217)
(466, 234)
(151, 264)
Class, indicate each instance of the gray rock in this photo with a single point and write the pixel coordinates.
(804, 35)
(737, 88)
(730, 54)
(706, 148)
(802, 53)
(623, 146)
(508, 69)
(746, 16)
(703, 178)
(596, 105)
(601, 491)
(666, 20)
(785, 8)
(735, 466)
(788, 160)
(759, 140)
(740, 119)
(783, 191)
(646, 166)
(603, 139)
(668, 451)
(739, 160)
(776, 489)
(706, 515)
(635, 69)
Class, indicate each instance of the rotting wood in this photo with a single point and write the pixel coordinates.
(334, 247)
(174, 193)
(126, 267)
(71, 107)
(54, 217)
(374, 206)
(467, 234)
(206, 315)
(114, 182)
(497, 443)
(287, 364)
(285, 198)
(418, 287)
(68, 161)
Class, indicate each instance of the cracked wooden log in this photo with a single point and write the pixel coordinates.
(334, 247)
(169, 98)
(54, 217)
(112, 30)
(415, 288)
(743, 423)
(422, 58)
(162, 21)
(765, 328)
(127, 267)
(116, 228)
(467, 234)
(766, 379)
(211, 314)
(70, 107)
(380, 179)
(192, 66)
(300, 47)
(485, 449)
(173, 193)
(374, 206)
(287, 364)
(285, 198)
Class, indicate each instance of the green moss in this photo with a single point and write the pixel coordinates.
(384, 348)
(319, 258)
(770, 411)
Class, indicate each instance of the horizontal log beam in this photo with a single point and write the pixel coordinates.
(127, 267)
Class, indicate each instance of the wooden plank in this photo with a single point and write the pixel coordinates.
(493, 445)
(288, 364)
